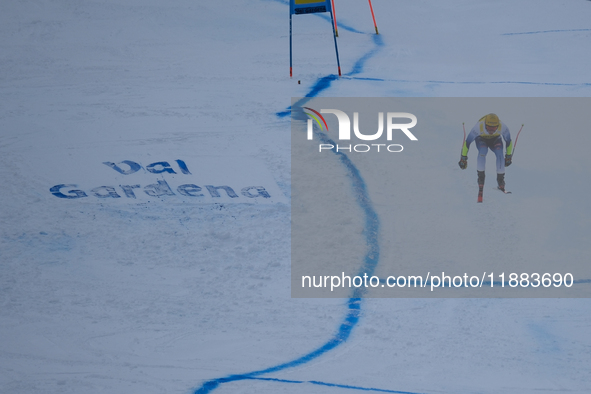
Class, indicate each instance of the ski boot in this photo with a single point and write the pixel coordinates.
(480, 185)
(501, 182)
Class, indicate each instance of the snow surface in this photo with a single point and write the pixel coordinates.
(177, 293)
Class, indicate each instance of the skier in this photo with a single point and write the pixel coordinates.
(487, 134)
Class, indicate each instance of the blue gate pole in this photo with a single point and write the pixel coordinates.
(335, 42)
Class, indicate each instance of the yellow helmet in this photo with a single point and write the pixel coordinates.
(492, 120)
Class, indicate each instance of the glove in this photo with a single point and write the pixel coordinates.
(463, 162)
(508, 160)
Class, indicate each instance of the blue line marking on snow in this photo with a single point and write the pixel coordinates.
(371, 226)
(325, 82)
(340, 25)
(360, 63)
(583, 84)
(369, 264)
(343, 386)
(545, 31)
(359, 388)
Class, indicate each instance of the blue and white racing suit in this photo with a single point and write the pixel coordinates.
(485, 141)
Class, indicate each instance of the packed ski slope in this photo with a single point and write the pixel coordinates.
(148, 282)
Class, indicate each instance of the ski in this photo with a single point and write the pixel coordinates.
(503, 190)
(480, 191)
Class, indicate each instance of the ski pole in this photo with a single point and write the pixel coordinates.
(464, 127)
(516, 138)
